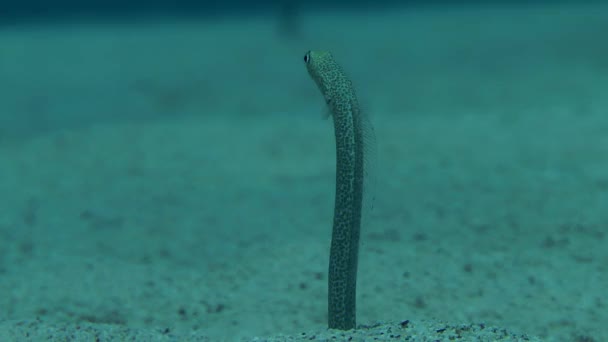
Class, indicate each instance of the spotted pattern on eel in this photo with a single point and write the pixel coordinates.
(351, 131)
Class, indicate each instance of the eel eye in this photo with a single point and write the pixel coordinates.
(307, 57)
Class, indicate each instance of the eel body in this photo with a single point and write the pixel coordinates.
(350, 133)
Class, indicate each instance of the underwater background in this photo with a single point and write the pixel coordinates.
(166, 173)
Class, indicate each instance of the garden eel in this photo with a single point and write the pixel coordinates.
(353, 134)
